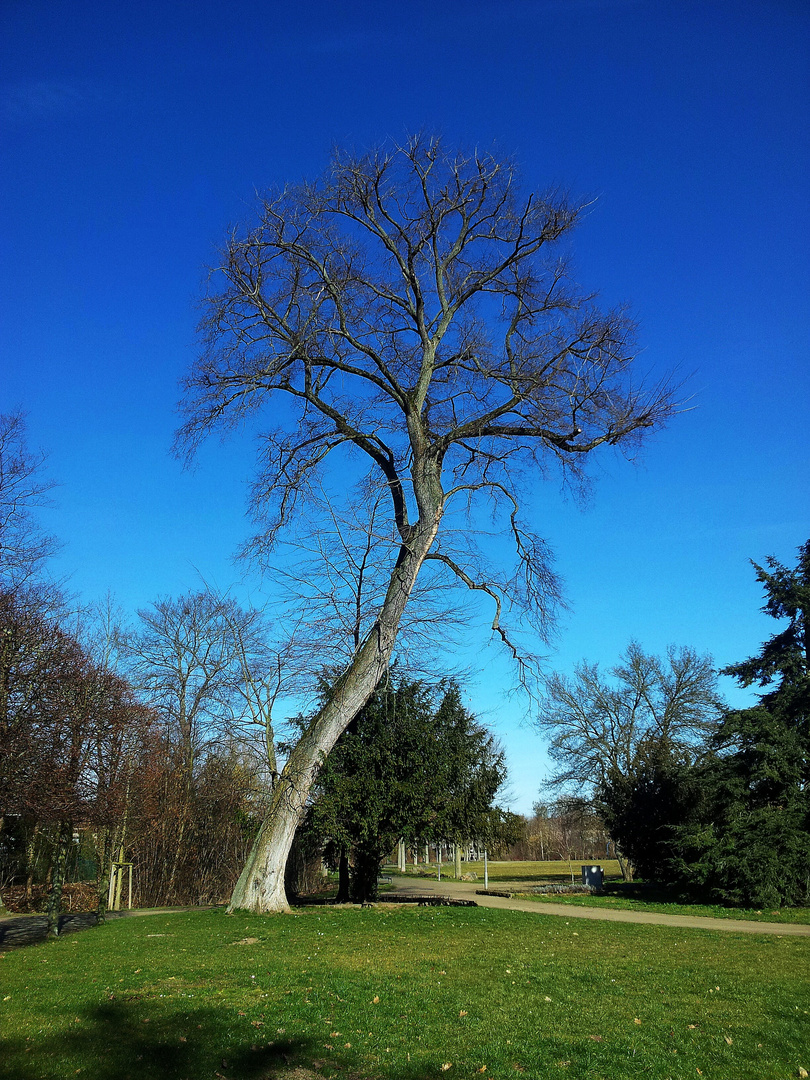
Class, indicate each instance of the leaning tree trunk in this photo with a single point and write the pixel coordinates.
(260, 887)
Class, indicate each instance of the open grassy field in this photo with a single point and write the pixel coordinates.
(618, 896)
(543, 872)
(404, 993)
(537, 872)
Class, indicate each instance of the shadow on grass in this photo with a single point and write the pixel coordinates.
(120, 1040)
(650, 892)
(32, 929)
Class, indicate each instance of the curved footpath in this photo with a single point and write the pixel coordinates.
(464, 890)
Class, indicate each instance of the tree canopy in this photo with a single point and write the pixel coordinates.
(24, 544)
(603, 725)
(414, 310)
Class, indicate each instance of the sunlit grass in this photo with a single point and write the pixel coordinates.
(400, 993)
(618, 896)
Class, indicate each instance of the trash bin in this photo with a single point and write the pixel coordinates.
(593, 876)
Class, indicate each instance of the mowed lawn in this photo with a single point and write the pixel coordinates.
(404, 993)
(617, 895)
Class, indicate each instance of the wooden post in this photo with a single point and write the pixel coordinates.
(119, 875)
(111, 889)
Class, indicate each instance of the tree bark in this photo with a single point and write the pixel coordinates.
(260, 887)
(343, 893)
(2, 824)
(65, 836)
(30, 853)
(365, 875)
(103, 875)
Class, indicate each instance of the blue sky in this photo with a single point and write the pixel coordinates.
(136, 134)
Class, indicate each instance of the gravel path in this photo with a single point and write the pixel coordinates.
(467, 891)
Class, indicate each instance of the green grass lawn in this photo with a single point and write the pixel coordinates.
(618, 896)
(404, 993)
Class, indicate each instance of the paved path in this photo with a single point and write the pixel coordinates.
(464, 890)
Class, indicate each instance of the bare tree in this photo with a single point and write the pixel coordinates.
(211, 669)
(67, 728)
(24, 546)
(332, 577)
(598, 723)
(262, 671)
(416, 313)
(182, 658)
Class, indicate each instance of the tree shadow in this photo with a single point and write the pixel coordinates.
(145, 1040)
(142, 1041)
(32, 929)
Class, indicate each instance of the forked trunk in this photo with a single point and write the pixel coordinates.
(625, 866)
(260, 887)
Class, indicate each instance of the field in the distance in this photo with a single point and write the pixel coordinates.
(404, 993)
(537, 872)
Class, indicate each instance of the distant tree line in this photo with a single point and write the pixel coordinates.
(97, 768)
(711, 801)
(150, 747)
